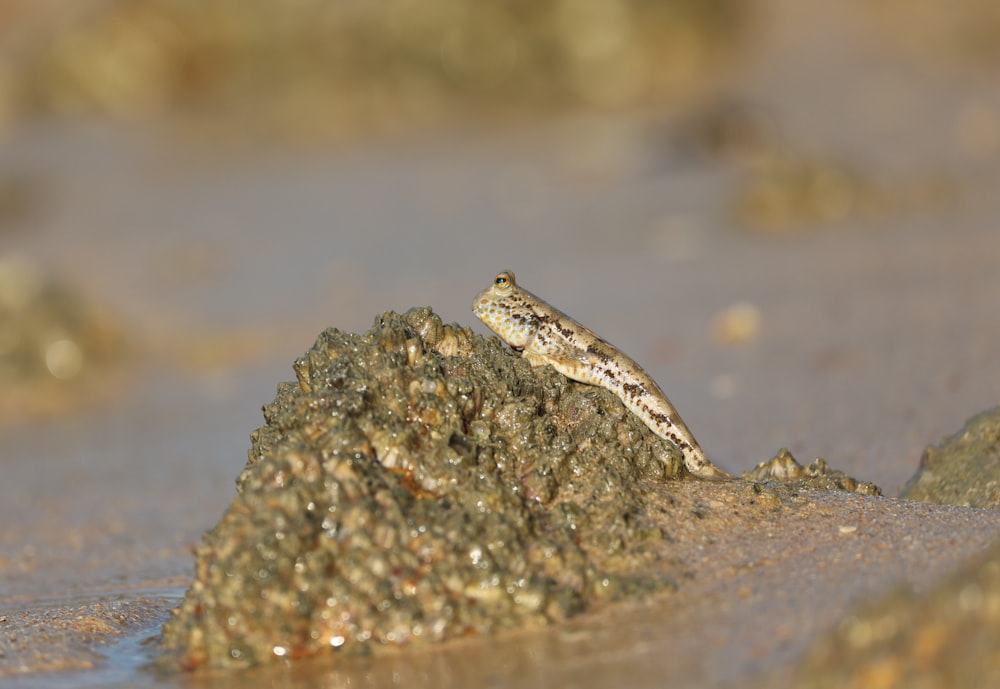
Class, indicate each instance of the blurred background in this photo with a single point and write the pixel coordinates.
(786, 211)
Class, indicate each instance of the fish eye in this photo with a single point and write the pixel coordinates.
(503, 279)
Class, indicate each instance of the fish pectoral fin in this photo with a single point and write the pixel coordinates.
(535, 359)
(563, 358)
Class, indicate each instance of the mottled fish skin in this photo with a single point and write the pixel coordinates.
(545, 335)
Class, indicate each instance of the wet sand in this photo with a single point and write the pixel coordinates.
(878, 336)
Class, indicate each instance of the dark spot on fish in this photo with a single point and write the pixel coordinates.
(599, 352)
(633, 390)
(660, 418)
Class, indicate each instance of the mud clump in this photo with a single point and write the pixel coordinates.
(819, 475)
(964, 469)
(420, 482)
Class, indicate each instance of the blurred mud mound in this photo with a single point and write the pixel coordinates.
(964, 469)
(946, 639)
(963, 34)
(56, 348)
(323, 70)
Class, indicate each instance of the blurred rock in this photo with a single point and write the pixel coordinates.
(790, 193)
(964, 469)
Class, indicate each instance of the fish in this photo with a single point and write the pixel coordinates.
(546, 336)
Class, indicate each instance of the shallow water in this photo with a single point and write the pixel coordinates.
(124, 661)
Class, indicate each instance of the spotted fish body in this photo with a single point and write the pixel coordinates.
(545, 335)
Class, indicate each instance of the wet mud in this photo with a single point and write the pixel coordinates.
(63, 637)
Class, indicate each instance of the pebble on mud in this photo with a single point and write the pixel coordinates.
(420, 482)
(964, 469)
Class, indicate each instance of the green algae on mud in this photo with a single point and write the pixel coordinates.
(420, 482)
(964, 469)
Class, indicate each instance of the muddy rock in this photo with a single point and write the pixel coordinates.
(420, 482)
(964, 469)
(819, 475)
